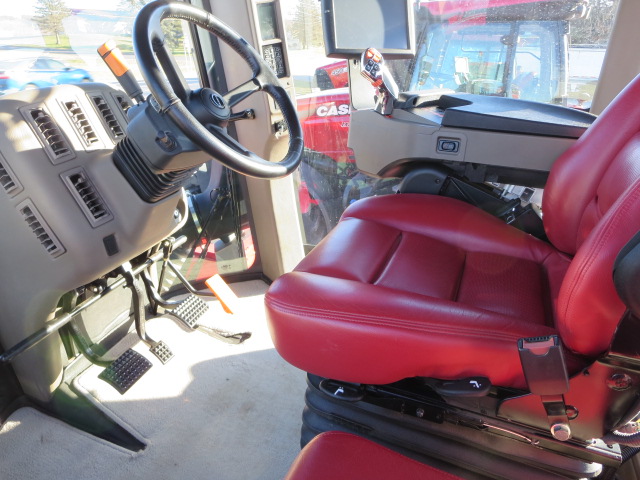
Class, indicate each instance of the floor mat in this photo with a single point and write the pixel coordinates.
(34, 445)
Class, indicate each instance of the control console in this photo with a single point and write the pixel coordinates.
(372, 68)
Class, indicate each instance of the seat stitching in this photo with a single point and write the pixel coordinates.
(389, 322)
(549, 251)
(462, 270)
(387, 261)
(377, 221)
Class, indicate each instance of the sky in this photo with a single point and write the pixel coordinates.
(26, 7)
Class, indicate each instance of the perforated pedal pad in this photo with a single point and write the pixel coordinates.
(125, 371)
(162, 351)
(190, 311)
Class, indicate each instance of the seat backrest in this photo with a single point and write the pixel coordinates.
(591, 209)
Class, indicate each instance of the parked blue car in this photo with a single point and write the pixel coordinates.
(37, 73)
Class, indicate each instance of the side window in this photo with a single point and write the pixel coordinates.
(541, 51)
(484, 53)
(588, 45)
(41, 64)
(55, 65)
(536, 71)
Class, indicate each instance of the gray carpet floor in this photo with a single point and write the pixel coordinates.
(214, 411)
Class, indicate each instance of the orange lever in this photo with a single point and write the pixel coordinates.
(114, 59)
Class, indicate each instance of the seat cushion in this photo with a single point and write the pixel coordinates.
(342, 456)
(416, 285)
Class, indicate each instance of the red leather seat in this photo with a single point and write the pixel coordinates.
(420, 285)
(342, 456)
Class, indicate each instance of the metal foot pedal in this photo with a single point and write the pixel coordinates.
(226, 337)
(162, 351)
(190, 311)
(125, 370)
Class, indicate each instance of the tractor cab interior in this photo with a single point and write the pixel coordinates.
(474, 313)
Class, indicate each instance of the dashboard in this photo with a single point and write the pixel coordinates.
(68, 215)
(496, 135)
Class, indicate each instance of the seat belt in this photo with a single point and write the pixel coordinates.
(545, 370)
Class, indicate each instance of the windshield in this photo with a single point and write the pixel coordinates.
(61, 37)
(499, 59)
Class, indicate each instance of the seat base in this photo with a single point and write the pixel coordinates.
(416, 422)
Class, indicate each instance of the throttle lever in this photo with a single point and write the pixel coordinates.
(373, 68)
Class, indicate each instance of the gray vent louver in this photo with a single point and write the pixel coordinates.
(124, 103)
(80, 121)
(86, 195)
(51, 134)
(41, 230)
(108, 116)
(8, 179)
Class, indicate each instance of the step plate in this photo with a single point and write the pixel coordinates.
(190, 311)
(125, 370)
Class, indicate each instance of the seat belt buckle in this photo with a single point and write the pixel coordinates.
(545, 370)
(543, 365)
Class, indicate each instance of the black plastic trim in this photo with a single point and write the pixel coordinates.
(508, 115)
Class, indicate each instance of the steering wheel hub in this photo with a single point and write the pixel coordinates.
(209, 107)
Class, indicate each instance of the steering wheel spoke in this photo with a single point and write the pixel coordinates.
(241, 92)
(173, 72)
(222, 135)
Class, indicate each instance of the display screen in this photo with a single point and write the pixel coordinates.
(267, 19)
(352, 26)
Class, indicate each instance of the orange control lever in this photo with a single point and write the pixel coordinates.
(114, 59)
(220, 289)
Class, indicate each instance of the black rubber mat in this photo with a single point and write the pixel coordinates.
(125, 370)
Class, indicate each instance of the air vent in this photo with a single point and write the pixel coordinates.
(52, 136)
(80, 121)
(86, 195)
(124, 103)
(108, 116)
(8, 179)
(41, 230)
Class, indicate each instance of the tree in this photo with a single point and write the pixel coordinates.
(306, 24)
(172, 29)
(50, 16)
(596, 28)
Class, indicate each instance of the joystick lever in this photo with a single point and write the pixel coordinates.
(372, 68)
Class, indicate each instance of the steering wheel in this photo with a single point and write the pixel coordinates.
(202, 115)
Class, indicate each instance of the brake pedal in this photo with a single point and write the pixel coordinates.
(125, 370)
(162, 351)
(190, 311)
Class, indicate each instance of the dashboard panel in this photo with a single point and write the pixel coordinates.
(500, 133)
(68, 214)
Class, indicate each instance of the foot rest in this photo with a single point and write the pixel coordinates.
(125, 370)
(343, 456)
(190, 311)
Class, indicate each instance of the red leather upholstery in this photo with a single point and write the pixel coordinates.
(587, 180)
(420, 285)
(342, 456)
